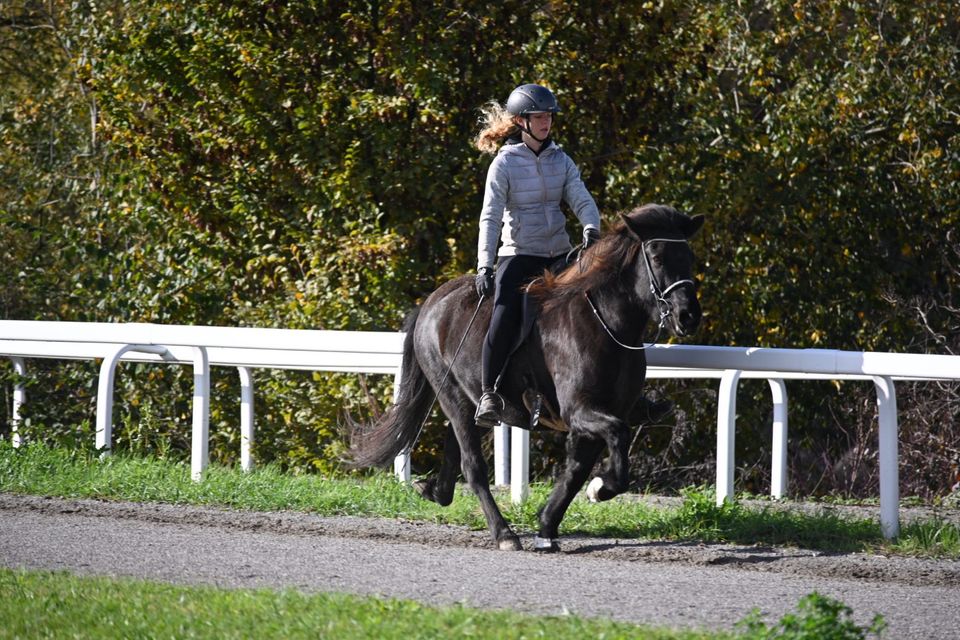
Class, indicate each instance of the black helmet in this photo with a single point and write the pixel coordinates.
(531, 98)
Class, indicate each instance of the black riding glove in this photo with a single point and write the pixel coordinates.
(484, 282)
(590, 236)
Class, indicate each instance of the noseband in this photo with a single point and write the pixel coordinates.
(659, 295)
(663, 306)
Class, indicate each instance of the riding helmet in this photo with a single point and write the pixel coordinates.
(531, 98)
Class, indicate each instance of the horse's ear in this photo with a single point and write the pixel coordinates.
(632, 227)
(692, 225)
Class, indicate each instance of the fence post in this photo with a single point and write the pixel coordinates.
(778, 470)
(19, 399)
(401, 463)
(104, 428)
(401, 466)
(200, 453)
(889, 457)
(726, 433)
(501, 455)
(246, 418)
(519, 464)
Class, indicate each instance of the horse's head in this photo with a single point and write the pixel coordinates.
(647, 258)
(664, 267)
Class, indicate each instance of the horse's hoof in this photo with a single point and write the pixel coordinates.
(428, 491)
(593, 489)
(545, 545)
(510, 544)
(425, 489)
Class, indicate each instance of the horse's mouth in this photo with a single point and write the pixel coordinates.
(685, 326)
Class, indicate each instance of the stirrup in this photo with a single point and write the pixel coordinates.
(487, 414)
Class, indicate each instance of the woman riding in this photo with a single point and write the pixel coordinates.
(526, 182)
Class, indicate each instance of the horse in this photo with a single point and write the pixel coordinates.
(579, 368)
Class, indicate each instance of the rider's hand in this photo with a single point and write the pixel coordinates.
(484, 282)
(590, 236)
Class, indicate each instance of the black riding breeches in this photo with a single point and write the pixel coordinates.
(513, 273)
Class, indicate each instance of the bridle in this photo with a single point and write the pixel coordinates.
(659, 295)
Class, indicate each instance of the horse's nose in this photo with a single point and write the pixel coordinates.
(688, 320)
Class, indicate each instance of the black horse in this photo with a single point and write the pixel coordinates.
(580, 367)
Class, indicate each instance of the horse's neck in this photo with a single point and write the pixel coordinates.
(622, 312)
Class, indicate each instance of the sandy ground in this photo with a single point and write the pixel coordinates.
(659, 583)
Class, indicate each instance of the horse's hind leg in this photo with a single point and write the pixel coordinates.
(439, 488)
(615, 476)
(459, 409)
(582, 454)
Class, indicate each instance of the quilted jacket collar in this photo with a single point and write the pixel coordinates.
(516, 140)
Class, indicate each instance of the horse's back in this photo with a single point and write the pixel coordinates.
(449, 299)
(443, 321)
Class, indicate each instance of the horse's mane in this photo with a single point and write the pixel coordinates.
(607, 259)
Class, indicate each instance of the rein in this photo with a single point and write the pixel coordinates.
(659, 295)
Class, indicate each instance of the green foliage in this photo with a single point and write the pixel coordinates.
(308, 165)
(818, 617)
(934, 537)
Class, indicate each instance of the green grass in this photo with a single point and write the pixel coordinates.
(43, 604)
(47, 605)
(67, 473)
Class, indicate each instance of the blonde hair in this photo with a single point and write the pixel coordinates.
(497, 124)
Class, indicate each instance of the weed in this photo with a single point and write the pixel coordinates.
(818, 617)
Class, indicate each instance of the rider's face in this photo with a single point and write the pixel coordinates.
(540, 124)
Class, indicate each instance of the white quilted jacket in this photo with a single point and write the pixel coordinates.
(521, 203)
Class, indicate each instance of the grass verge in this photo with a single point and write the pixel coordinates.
(46, 604)
(41, 470)
(40, 604)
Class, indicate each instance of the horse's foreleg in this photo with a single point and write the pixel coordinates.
(440, 488)
(582, 454)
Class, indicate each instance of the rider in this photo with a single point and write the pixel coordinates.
(526, 182)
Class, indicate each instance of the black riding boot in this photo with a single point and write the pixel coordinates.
(489, 409)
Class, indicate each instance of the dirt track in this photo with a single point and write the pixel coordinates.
(681, 585)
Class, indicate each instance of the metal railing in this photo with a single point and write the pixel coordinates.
(202, 347)
(381, 353)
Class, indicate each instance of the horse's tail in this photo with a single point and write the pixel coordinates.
(399, 427)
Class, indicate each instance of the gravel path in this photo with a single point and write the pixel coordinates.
(678, 585)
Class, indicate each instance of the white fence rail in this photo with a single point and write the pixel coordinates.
(202, 347)
(381, 352)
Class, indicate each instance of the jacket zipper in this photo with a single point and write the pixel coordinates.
(543, 189)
